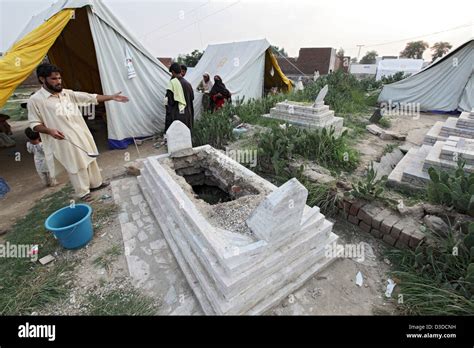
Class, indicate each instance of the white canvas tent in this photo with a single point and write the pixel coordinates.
(247, 68)
(388, 67)
(91, 48)
(446, 85)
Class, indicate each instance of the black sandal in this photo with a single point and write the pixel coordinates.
(103, 185)
(87, 198)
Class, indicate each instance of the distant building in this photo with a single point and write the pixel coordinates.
(311, 59)
(362, 71)
(166, 61)
(388, 67)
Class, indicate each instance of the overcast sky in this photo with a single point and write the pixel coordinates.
(169, 28)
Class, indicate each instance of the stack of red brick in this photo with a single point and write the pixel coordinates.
(383, 223)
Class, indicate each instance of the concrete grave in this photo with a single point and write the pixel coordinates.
(443, 155)
(242, 243)
(306, 115)
(462, 126)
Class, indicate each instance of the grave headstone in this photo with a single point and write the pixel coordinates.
(179, 141)
(321, 95)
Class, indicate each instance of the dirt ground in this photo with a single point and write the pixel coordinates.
(331, 292)
(25, 185)
(371, 147)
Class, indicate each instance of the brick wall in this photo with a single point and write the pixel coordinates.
(383, 223)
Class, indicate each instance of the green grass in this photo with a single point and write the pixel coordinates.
(322, 195)
(389, 148)
(27, 286)
(348, 97)
(278, 147)
(437, 279)
(214, 129)
(384, 122)
(109, 256)
(120, 302)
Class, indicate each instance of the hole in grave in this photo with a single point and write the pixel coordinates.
(211, 194)
(212, 184)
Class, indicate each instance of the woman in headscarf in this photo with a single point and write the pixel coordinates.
(219, 93)
(205, 87)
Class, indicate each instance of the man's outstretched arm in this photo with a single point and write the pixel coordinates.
(116, 97)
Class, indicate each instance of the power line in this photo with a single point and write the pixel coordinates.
(294, 66)
(209, 15)
(417, 37)
(174, 20)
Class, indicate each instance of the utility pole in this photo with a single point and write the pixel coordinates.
(358, 54)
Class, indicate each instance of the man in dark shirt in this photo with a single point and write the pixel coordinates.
(173, 111)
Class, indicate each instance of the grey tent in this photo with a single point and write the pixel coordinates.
(445, 85)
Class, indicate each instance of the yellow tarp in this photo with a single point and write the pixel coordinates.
(18, 63)
(278, 79)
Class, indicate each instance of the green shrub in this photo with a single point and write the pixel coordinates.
(346, 94)
(384, 122)
(398, 76)
(277, 147)
(452, 189)
(369, 187)
(214, 129)
(437, 278)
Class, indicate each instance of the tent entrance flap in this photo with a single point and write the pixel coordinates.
(23, 57)
(274, 77)
(74, 53)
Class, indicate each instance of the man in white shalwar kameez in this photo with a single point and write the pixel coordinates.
(54, 112)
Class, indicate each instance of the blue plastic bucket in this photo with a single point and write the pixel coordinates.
(71, 225)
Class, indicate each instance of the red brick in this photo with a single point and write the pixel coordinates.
(389, 239)
(377, 219)
(364, 216)
(405, 223)
(405, 237)
(415, 238)
(376, 233)
(347, 206)
(353, 219)
(355, 207)
(364, 226)
(387, 223)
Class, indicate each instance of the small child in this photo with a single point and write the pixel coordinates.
(35, 146)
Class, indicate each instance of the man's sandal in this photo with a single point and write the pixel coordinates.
(103, 185)
(87, 198)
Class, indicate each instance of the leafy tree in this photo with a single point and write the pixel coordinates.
(414, 49)
(369, 57)
(279, 51)
(440, 48)
(190, 60)
(354, 60)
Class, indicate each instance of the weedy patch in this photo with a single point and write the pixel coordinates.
(438, 277)
(108, 257)
(369, 188)
(26, 285)
(125, 301)
(453, 189)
